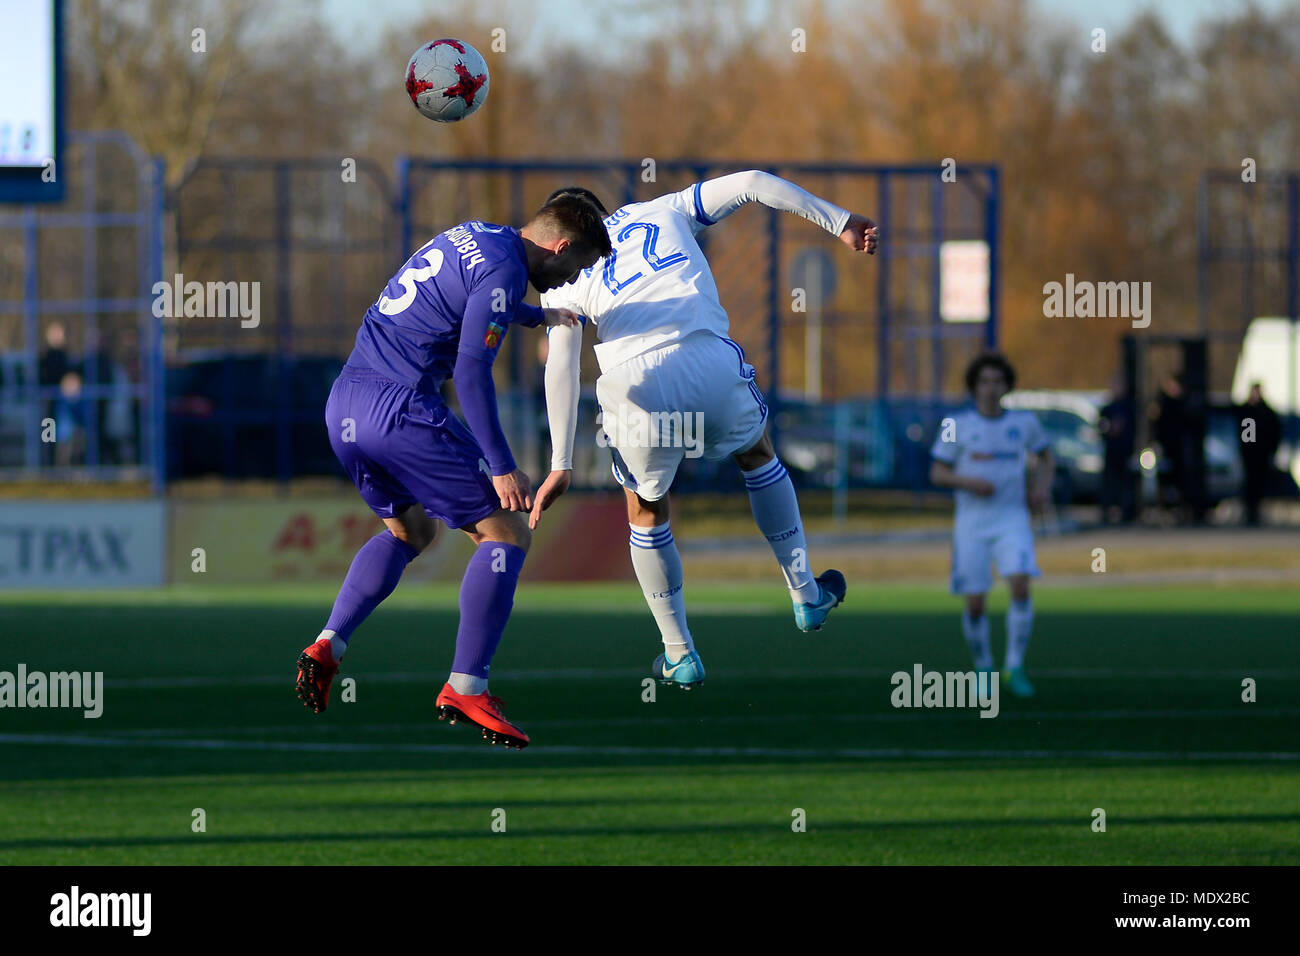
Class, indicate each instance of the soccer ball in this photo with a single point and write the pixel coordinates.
(447, 80)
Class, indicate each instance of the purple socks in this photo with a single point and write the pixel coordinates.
(375, 571)
(487, 594)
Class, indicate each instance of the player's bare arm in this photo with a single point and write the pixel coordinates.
(1044, 470)
(556, 484)
(563, 318)
(944, 475)
(861, 234)
(515, 490)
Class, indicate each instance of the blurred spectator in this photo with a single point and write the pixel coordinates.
(70, 421)
(54, 360)
(54, 365)
(1118, 427)
(1257, 454)
(113, 415)
(1169, 430)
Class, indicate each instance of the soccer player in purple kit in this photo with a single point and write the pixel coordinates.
(445, 313)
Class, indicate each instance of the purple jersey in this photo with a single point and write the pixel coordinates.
(444, 315)
(458, 293)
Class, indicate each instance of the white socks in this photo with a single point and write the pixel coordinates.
(1020, 622)
(776, 512)
(977, 636)
(460, 683)
(467, 684)
(337, 645)
(658, 568)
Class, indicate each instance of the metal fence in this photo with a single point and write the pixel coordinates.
(324, 244)
(80, 369)
(1248, 250)
(852, 381)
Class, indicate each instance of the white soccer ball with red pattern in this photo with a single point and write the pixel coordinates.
(447, 80)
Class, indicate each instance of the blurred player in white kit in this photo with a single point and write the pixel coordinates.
(982, 453)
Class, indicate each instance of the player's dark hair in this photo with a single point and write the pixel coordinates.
(582, 192)
(575, 219)
(989, 360)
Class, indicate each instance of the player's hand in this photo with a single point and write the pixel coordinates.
(1037, 499)
(562, 317)
(514, 490)
(860, 233)
(981, 487)
(556, 484)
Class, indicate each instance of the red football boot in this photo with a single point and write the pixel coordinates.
(482, 710)
(316, 670)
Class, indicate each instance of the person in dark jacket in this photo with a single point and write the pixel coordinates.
(1261, 432)
(1118, 427)
(1169, 429)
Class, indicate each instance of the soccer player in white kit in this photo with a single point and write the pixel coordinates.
(982, 453)
(667, 366)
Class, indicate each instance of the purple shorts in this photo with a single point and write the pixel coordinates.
(403, 447)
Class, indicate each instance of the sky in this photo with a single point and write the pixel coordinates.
(363, 21)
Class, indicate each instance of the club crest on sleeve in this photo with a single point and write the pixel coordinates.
(494, 333)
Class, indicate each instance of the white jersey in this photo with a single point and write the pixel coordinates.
(655, 287)
(993, 449)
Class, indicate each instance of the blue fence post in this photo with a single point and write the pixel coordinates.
(284, 325)
(991, 225)
(32, 328)
(403, 173)
(936, 287)
(1203, 253)
(90, 397)
(840, 496)
(882, 288)
(152, 268)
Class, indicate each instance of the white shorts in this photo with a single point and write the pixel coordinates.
(694, 398)
(973, 554)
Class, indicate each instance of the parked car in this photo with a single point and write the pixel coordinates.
(249, 416)
(1070, 420)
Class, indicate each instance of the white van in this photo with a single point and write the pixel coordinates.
(1270, 355)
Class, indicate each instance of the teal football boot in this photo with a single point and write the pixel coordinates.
(1017, 683)
(686, 672)
(811, 617)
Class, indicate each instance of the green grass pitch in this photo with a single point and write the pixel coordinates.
(1139, 713)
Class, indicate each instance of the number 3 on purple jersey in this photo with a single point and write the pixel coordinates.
(409, 278)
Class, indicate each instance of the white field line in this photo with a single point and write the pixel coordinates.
(917, 715)
(587, 750)
(747, 673)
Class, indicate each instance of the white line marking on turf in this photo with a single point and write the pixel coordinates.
(892, 717)
(741, 673)
(80, 740)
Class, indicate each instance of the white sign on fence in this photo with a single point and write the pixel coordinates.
(964, 280)
(81, 544)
